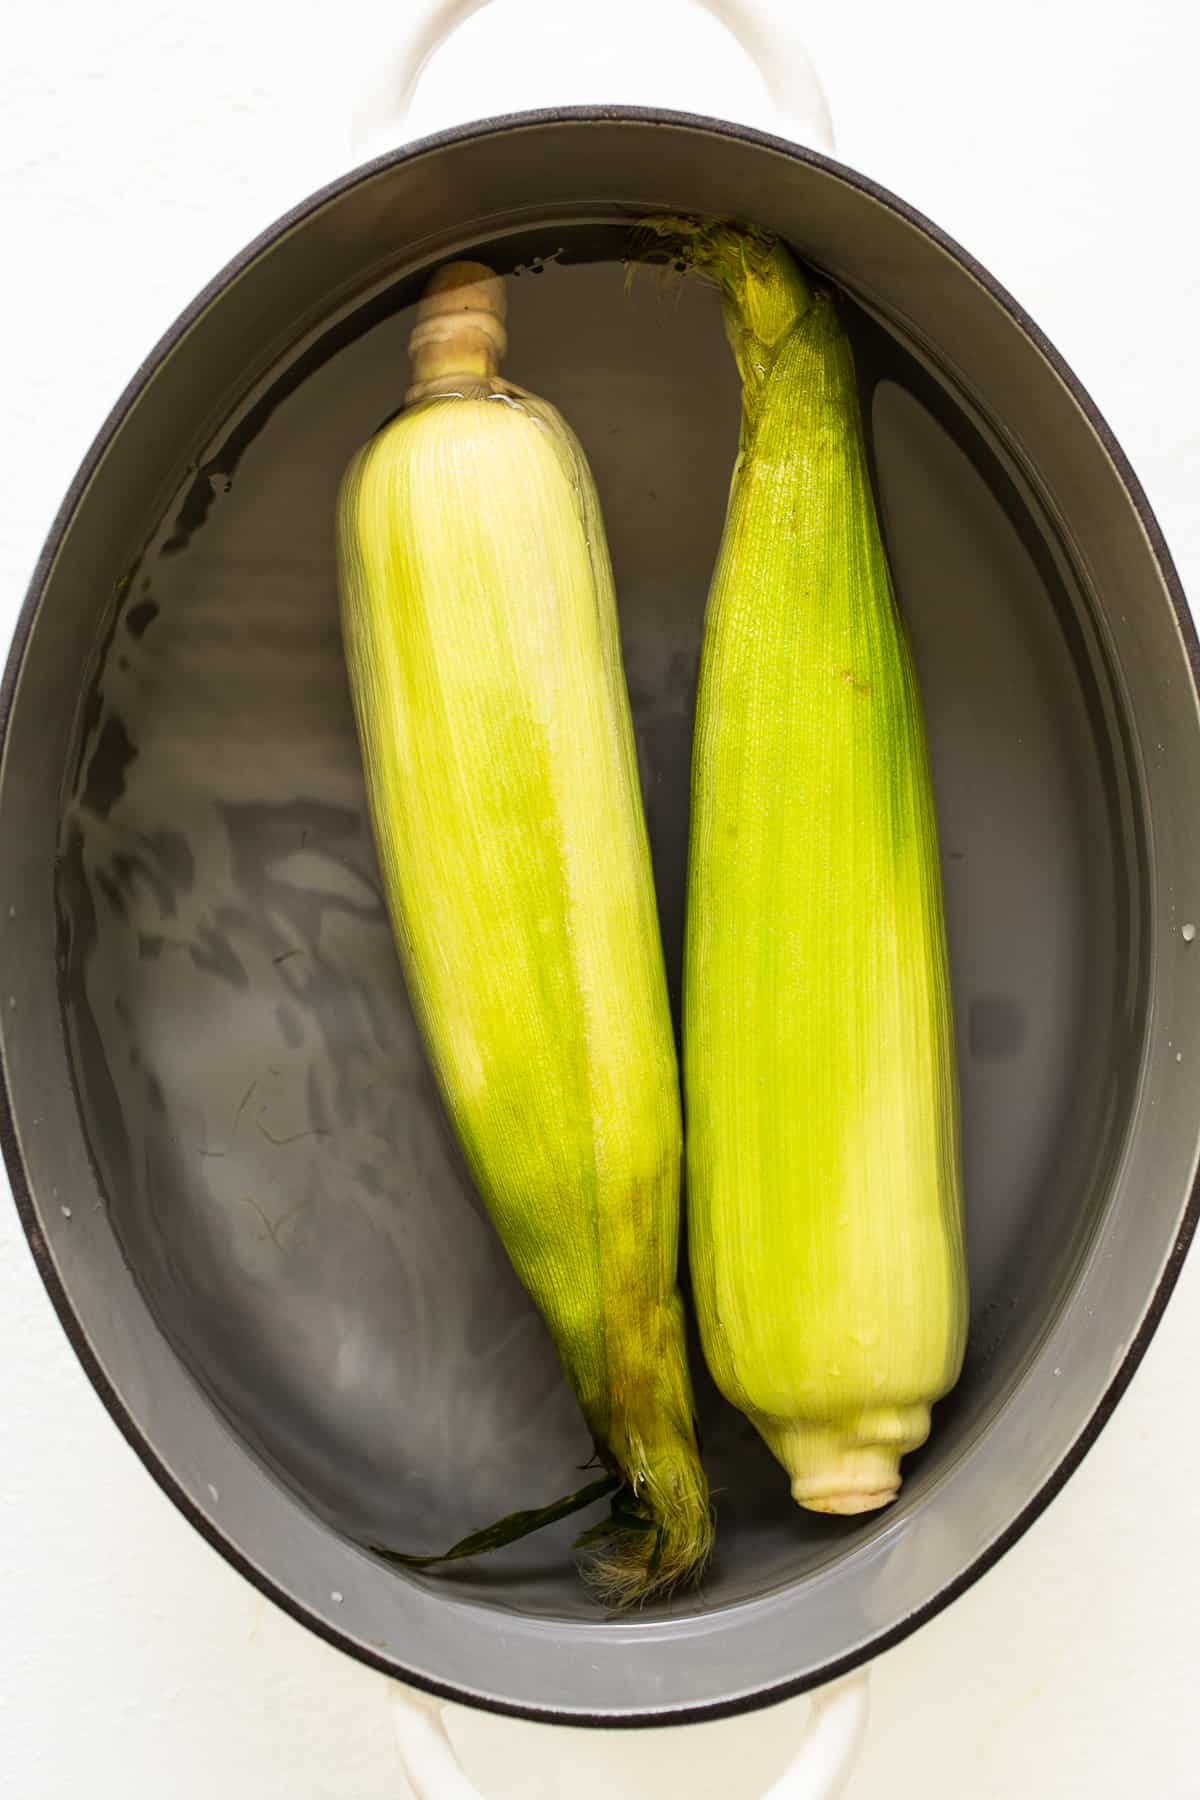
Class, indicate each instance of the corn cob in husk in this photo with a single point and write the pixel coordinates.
(481, 633)
(824, 1189)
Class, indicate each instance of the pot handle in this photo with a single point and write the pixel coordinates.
(765, 29)
(819, 1770)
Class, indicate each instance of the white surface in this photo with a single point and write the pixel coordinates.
(141, 145)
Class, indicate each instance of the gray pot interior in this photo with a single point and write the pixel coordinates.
(239, 1178)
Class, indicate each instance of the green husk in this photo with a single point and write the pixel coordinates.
(824, 1186)
(481, 634)
(515, 1526)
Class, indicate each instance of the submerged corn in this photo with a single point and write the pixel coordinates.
(824, 1194)
(481, 634)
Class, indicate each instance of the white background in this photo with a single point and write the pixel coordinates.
(142, 144)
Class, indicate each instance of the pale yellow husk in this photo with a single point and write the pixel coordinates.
(481, 633)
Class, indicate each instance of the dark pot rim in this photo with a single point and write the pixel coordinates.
(9, 1141)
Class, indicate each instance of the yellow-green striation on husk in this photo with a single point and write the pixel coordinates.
(481, 632)
(824, 1187)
